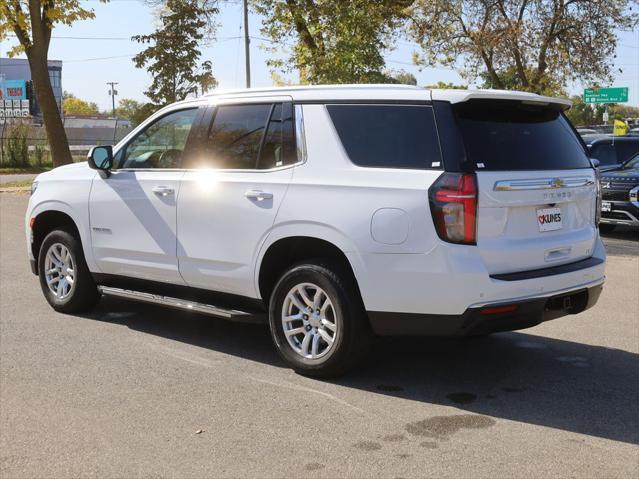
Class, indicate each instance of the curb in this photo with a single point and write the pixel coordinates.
(15, 189)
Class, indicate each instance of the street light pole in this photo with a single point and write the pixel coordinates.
(247, 41)
(112, 92)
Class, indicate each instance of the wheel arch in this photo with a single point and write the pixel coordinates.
(288, 250)
(49, 216)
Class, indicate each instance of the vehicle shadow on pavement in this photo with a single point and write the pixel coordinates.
(624, 240)
(516, 376)
(564, 385)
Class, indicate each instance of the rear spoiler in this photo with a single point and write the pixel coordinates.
(459, 96)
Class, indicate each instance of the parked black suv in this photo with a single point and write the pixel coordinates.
(620, 196)
(612, 151)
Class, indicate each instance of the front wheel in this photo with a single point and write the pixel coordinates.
(317, 320)
(65, 279)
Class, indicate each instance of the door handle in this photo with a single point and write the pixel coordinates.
(258, 195)
(163, 190)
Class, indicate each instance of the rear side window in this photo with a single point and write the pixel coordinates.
(248, 137)
(388, 136)
(513, 136)
(236, 135)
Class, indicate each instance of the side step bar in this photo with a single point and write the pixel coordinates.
(182, 304)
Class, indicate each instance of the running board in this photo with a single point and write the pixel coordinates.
(182, 304)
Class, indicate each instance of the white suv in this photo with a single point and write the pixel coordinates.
(335, 213)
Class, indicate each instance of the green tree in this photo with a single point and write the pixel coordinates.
(440, 85)
(401, 77)
(333, 41)
(71, 105)
(538, 46)
(173, 54)
(32, 22)
(134, 111)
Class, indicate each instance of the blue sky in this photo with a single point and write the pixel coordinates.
(89, 62)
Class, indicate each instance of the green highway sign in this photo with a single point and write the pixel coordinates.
(606, 95)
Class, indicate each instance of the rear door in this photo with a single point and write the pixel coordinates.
(228, 202)
(537, 190)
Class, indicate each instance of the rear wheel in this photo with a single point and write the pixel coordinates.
(606, 227)
(317, 320)
(65, 279)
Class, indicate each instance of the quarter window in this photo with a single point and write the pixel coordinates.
(388, 136)
(161, 144)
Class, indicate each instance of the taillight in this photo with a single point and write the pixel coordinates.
(453, 204)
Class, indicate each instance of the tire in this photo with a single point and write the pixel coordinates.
(350, 332)
(606, 227)
(82, 294)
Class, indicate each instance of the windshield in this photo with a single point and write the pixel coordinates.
(630, 164)
(510, 135)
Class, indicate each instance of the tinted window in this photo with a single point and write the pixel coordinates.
(605, 153)
(388, 136)
(236, 135)
(278, 148)
(512, 136)
(161, 144)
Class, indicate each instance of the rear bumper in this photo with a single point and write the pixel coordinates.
(487, 319)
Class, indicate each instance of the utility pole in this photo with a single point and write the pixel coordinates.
(247, 41)
(112, 92)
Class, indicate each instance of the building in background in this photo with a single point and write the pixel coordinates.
(15, 84)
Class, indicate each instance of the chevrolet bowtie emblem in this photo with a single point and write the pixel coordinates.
(557, 183)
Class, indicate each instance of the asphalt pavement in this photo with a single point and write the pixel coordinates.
(139, 391)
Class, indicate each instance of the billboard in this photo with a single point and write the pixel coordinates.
(13, 90)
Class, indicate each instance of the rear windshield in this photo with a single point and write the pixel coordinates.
(388, 136)
(513, 136)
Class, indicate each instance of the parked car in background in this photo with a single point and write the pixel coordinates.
(612, 151)
(633, 132)
(334, 214)
(620, 196)
(586, 131)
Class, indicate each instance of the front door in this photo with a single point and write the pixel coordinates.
(133, 211)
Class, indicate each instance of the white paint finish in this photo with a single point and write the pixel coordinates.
(65, 189)
(390, 226)
(133, 229)
(508, 236)
(221, 230)
(330, 191)
(399, 262)
(451, 278)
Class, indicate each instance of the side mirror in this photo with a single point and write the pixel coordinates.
(595, 162)
(101, 158)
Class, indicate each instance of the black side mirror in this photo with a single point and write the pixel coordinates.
(595, 162)
(101, 158)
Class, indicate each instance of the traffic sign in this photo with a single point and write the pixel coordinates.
(606, 95)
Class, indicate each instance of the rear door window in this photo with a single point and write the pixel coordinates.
(388, 136)
(513, 136)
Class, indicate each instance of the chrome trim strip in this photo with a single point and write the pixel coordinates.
(173, 302)
(543, 183)
(300, 136)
